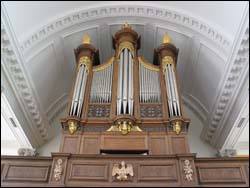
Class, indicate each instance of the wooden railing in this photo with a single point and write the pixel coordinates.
(63, 169)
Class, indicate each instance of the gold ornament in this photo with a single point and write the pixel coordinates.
(72, 127)
(86, 39)
(126, 25)
(124, 127)
(128, 45)
(177, 127)
(85, 60)
(165, 61)
(166, 39)
(148, 65)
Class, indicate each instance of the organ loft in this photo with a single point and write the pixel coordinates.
(125, 126)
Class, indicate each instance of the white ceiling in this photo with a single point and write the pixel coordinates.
(208, 34)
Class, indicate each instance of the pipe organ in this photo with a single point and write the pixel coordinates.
(126, 95)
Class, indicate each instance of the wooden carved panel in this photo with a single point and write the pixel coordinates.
(71, 144)
(90, 144)
(151, 111)
(88, 171)
(160, 172)
(128, 142)
(32, 172)
(179, 144)
(217, 174)
(158, 145)
(99, 111)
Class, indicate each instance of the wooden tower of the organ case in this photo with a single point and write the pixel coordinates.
(125, 105)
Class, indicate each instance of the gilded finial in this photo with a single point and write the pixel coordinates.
(86, 39)
(126, 25)
(166, 39)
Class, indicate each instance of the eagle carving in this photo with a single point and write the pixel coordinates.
(122, 172)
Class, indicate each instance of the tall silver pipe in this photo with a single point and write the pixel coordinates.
(176, 91)
(110, 81)
(82, 91)
(140, 79)
(125, 82)
(172, 90)
(158, 86)
(75, 90)
(76, 99)
(167, 82)
(119, 94)
(107, 83)
(130, 74)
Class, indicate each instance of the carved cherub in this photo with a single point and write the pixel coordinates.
(122, 172)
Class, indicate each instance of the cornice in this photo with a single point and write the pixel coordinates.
(238, 66)
(147, 12)
(13, 67)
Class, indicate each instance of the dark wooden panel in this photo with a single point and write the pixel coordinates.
(178, 144)
(158, 145)
(71, 144)
(90, 144)
(88, 171)
(128, 142)
(33, 172)
(215, 174)
(159, 172)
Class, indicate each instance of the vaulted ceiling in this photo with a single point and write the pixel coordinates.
(37, 63)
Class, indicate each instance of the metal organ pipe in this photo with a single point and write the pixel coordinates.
(119, 94)
(149, 84)
(125, 82)
(167, 82)
(125, 94)
(175, 90)
(131, 86)
(82, 91)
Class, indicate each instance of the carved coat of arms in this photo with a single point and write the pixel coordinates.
(122, 171)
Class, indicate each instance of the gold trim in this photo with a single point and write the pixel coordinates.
(148, 65)
(86, 39)
(105, 65)
(166, 39)
(85, 60)
(124, 127)
(128, 45)
(126, 25)
(72, 127)
(165, 61)
(177, 127)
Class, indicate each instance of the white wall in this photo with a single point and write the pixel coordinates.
(196, 144)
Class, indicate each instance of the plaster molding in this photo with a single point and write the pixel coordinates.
(238, 66)
(13, 66)
(57, 106)
(184, 20)
(195, 106)
(237, 130)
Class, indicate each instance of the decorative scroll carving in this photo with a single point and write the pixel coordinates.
(26, 152)
(58, 170)
(85, 60)
(122, 172)
(99, 111)
(188, 170)
(151, 111)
